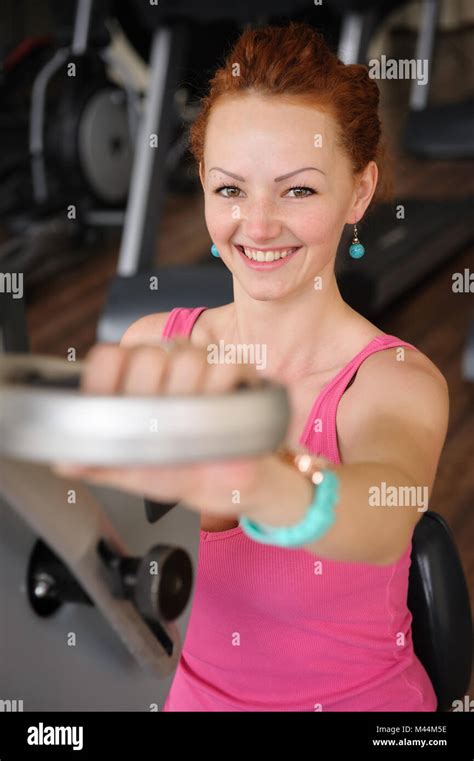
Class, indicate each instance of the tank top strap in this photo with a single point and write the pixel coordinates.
(379, 343)
(180, 322)
(320, 433)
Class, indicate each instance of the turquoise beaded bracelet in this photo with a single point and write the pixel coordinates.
(317, 521)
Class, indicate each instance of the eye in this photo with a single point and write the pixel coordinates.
(305, 188)
(311, 191)
(227, 187)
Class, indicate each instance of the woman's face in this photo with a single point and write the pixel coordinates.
(292, 188)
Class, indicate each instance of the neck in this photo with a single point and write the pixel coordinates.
(300, 334)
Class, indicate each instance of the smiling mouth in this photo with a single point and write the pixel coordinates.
(267, 256)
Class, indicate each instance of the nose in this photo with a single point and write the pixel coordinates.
(260, 225)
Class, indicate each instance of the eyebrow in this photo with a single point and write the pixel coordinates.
(277, 179)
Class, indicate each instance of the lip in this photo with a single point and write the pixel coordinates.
(268, 248)
(266, 265)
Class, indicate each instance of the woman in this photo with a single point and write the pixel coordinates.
(288, 147)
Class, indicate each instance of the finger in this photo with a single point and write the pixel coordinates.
(167, 483)
(145, 371)
(132, 480)
(221, 378)
(186, 370)
(104, 368)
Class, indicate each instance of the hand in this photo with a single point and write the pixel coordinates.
(181, 368)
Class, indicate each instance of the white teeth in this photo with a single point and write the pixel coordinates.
(266, 256)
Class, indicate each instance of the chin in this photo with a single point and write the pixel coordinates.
(265, 294)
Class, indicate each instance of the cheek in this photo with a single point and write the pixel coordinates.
(220, 223)
(319, 226)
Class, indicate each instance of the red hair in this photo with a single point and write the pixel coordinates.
(295, 62)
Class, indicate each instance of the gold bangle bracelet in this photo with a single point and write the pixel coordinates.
(310, 466)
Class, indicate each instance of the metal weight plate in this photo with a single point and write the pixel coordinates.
(46, 417)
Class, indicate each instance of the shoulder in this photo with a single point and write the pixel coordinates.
(210, 326)
(398, 383)
(150, 328)
(399, 375)
(400, 366)
(146, 329)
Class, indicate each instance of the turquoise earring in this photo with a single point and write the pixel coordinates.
(214, 250)
(356, 249)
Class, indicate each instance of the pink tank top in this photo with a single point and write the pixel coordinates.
(273, 629)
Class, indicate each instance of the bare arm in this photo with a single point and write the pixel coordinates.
(392, 433)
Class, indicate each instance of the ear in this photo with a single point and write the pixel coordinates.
(201, 173)
(364, 189)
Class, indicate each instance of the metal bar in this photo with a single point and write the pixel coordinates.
(82, 23)
(147, 189)
(424, 50)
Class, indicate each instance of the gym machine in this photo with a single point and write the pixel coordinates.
(83, 626)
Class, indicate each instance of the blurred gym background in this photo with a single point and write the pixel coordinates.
(68, 156)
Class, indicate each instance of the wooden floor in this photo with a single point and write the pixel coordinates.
(64, 313)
